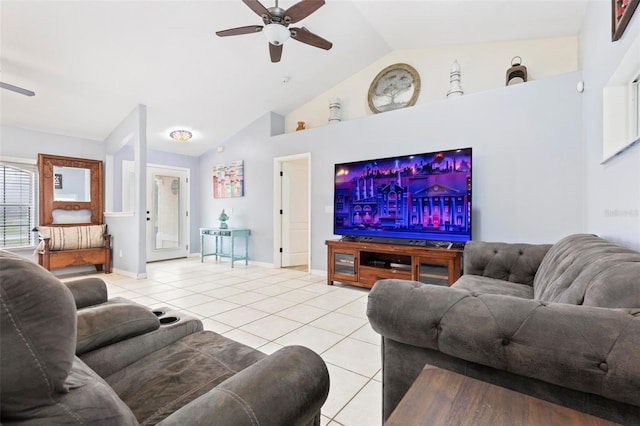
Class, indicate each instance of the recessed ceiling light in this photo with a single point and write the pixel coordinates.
(181, 135)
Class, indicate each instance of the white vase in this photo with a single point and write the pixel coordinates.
(455, 87)
(335, 110)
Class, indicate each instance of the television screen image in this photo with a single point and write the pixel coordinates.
(415, 197)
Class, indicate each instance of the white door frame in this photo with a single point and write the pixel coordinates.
(277, 202)
(187, 194)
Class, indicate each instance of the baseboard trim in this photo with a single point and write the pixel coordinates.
(129, 274)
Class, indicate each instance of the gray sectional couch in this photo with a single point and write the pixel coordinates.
(69, 356)
(560, 322)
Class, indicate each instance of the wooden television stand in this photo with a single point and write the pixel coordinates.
(363, 263)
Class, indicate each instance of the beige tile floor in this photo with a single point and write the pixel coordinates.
(267, 309)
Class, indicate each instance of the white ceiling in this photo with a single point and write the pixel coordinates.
(91, 62)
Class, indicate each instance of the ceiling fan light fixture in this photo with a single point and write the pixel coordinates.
(181, 135)
(276, 33)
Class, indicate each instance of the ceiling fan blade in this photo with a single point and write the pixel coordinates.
(249, 29)
(275, 52)
(17, 89)
(257, 7)
(301, 10)
(305, 36)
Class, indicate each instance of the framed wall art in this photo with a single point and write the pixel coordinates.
(228, 180)
(621, 13)
(397, 86)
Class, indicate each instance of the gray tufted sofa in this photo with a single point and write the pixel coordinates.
(69, 356)
(559, 322)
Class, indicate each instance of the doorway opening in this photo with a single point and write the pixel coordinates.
(167, 213)
(292, 218)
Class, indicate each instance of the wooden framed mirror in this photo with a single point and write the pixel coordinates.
(70, 190)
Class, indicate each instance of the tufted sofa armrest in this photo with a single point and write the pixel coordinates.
(517, 263)
(88, 291)
(589, 349)
(286, 388)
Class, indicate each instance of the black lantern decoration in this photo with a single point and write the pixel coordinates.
(517, 73)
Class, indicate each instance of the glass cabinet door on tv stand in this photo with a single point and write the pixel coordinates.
(431, 271)
(343, 264)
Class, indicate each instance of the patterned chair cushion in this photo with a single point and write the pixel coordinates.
(72, 237)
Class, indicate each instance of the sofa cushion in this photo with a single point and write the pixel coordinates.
(484, 285)
(571, 265)
(517, 263)
(72, 237)
(37, 348)
(166, 380)
(110, 323)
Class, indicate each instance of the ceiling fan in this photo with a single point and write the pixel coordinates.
(16, 89)
(276, 25)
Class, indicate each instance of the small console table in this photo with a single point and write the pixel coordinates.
(220, 234)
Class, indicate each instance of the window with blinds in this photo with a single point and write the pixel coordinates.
(17, 205)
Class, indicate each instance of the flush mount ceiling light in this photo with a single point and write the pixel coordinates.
(180, 135)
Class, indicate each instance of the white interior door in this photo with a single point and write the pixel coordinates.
(167, 215)
(295, 212)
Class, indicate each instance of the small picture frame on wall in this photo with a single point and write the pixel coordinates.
(621, 13)
(57, 181)
(228, 180)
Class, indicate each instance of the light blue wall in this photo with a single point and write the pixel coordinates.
(128, 231)
(23, 143)
(537, 152)
(125, 153)
(75, 181)
(528, 176)
(254, 209)
(613, 189)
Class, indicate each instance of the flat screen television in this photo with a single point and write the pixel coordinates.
(413, 199)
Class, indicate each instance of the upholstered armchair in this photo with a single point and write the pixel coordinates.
(131, 368)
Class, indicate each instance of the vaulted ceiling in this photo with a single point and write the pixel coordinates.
(91, 62)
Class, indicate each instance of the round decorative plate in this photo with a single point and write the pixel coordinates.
(397, 86)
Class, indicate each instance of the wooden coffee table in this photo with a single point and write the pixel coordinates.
(441, 397)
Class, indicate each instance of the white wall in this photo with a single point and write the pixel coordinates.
(483, 67)
(528, 176)
(613, 189)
